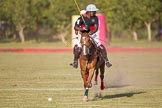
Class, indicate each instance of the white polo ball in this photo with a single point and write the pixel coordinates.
(49, 99)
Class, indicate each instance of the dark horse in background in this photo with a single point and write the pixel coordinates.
(90, 61)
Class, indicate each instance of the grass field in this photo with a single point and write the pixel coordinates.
(114, 43)
(27, 80)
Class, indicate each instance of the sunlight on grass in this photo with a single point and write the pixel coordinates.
(27, 80)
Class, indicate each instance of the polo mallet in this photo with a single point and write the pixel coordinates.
(79, 11)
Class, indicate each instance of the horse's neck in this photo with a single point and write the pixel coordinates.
(93, 49)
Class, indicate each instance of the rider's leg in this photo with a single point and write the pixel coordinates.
(102, 49)
(76, 52)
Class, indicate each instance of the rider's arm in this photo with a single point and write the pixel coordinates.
(78, 24)
(77, 28)
(94, 31)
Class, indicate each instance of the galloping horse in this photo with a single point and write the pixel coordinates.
(90, 60)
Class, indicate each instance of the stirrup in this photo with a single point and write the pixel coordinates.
(74, 64)
(108, 64)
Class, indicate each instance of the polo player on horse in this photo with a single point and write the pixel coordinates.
(90, 24)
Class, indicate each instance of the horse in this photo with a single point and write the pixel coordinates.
(90, 61)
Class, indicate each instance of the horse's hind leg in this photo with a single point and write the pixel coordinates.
(96, 77)
(102, 71)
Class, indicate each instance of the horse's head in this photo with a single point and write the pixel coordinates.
(86, 43)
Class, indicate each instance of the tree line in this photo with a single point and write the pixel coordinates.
(20, 18)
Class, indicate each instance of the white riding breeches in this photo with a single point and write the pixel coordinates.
(77, 40)
(93, 37)
(96, 39)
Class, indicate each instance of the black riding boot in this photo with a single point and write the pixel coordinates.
(102, 49)
(76, 52)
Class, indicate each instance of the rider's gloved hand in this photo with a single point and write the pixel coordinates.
(86, 28)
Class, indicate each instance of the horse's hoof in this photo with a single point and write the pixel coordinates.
(85, 99)
(98, 95)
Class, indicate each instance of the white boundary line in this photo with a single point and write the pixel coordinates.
(42, 89)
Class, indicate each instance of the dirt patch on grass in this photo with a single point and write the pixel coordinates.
(117, 79)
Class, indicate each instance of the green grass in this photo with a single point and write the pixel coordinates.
(114, 43)
(139, 43)
(32, 44)
(27, 80)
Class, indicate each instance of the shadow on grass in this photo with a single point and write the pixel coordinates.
(130, 94)
(117, 86)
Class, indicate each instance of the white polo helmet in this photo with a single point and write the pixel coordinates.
(91, 7)
(82, 12)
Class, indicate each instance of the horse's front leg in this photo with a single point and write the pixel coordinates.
(83, 64)
(91, 72)
(86, 88)
(84, 78)
(91, 67)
